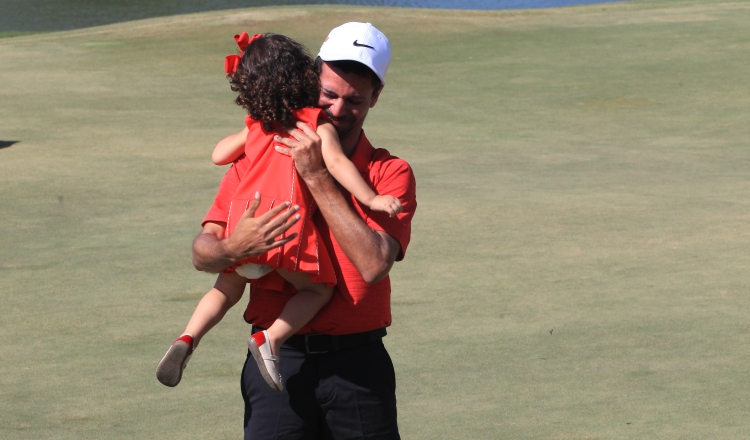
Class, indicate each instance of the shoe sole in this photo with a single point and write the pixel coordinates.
(255, 351)
(169, 371)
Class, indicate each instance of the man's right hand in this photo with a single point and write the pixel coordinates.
(251, 237)
(254, 236)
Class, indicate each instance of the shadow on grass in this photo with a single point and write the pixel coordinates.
(6, 144)
(11, 34)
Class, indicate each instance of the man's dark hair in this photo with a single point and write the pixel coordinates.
(276, 76)
(354, 67)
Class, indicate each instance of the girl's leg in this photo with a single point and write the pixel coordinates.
(300, 309)
(226, 293)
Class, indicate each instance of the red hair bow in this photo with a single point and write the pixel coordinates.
(232, 61)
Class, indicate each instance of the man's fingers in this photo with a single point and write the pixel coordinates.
(273, 212)
(282, 241)
(275, 225)
(281, 228)
(306, 129)
(303, 132)
(283, 150)
(297, 137)
(281, 223)
(250, 212)
(289, 142)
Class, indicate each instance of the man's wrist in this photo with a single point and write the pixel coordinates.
(229, 250)
(317, 179)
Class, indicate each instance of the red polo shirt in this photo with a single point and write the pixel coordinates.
(355, 306)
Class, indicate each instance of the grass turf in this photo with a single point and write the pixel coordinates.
(579, 256)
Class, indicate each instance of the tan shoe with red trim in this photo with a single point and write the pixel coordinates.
(171, 366)
(260, 347)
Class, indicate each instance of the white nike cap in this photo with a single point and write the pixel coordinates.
(361, 42)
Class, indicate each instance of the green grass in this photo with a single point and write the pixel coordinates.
(578, 267)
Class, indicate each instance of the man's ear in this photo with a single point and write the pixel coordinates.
(375, 96)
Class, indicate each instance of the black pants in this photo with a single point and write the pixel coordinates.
(347, 394)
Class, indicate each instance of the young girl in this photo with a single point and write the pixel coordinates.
(277, 84)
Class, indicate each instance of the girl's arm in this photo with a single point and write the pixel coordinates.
(211, 309)
(230, 148)
(344, 171)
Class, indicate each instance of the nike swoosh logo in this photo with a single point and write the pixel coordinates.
(363, 45)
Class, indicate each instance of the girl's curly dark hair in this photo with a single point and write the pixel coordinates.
(276, 76)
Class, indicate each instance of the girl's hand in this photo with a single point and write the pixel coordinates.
(386, 203)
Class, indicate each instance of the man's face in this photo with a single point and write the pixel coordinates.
(346, 98)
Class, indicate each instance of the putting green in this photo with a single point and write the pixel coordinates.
(578, 267)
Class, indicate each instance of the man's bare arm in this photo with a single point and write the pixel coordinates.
(251, 237)
(372, 252)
